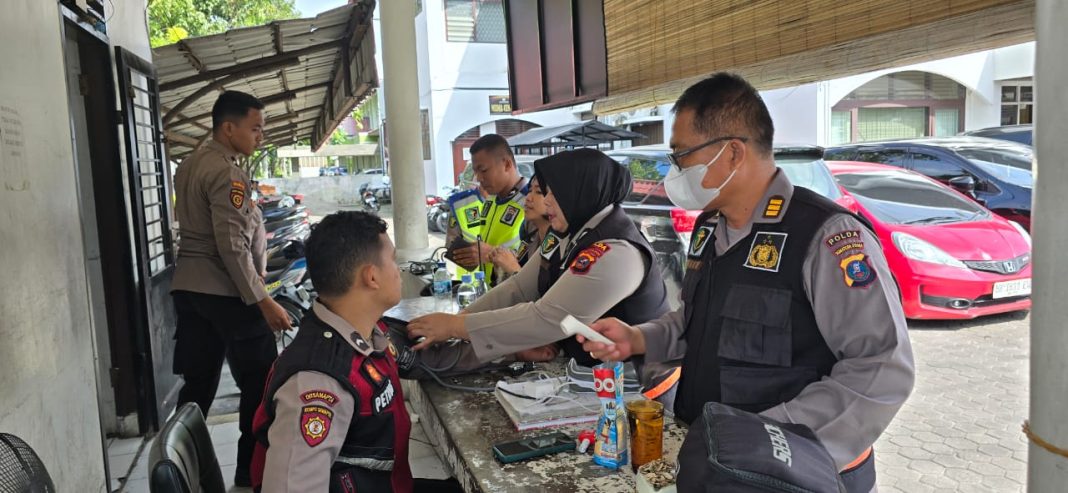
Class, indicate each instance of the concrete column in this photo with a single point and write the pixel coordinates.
(1048, 472)
(404, 128)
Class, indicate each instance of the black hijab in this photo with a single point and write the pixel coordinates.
(583, 181)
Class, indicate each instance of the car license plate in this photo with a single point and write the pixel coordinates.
(1008, 289)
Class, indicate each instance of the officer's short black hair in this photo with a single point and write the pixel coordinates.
(233, 105)
(726, 105)
(339, 245)
(493, 143)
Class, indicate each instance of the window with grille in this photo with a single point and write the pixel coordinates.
(474, 21)
(910, 85)
(146, 163)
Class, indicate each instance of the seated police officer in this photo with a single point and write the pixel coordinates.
(789, 308)
(333, 415)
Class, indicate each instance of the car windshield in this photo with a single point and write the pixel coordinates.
(897, 197)
(809, 173)
(1004, 165)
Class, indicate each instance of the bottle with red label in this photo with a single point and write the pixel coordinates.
(610, 445)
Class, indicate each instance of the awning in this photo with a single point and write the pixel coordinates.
(341, 150)
(310, 73)
(578, 134)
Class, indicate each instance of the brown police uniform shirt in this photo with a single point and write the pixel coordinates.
(293, 464)
(865, 328)
(222, 242)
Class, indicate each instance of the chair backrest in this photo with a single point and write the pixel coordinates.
(21, 470)
(182, 458)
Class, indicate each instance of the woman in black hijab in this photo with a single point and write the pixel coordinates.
(594, 263)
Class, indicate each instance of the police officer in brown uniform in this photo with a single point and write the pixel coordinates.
(219, 295)
(789, 308)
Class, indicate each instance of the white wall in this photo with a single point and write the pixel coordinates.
(802, 114)
(795, 112)
(455, 81)
(46, 359)
(1014, 62)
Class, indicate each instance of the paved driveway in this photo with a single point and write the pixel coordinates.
(960, 430)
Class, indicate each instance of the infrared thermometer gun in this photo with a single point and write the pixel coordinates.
(572, 326)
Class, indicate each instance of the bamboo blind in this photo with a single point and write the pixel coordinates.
(656, 48)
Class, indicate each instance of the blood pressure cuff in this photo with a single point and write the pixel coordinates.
(449, 359)
(730, 450)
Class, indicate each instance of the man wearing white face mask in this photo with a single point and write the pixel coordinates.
(789, 308)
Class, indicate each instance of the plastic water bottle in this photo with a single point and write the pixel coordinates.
(442, 282)
(466, 294)
(480, 283)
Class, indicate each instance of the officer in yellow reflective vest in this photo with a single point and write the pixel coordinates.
(495, 221)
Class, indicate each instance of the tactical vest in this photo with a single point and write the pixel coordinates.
(646, 303)
(498, 220)
(374, 456)
(752, 341)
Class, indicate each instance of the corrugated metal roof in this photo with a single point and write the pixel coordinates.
(295, 66)
(578, 133)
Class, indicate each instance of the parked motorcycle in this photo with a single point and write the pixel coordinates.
(288, 284)
(367, 196)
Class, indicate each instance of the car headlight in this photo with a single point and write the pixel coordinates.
(1023, 232)
(917, 249)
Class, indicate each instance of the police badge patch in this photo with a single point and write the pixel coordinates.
(857, 270)
(470, 215)
(237, 194)
(315, 424)
(700, 240)
(510, 214)
(766, 251)
(549, 245)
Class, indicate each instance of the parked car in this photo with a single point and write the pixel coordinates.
(333, 171)
(996, 173)
(524, 162)
(1021, 134)
(951, 258)
(668, 228)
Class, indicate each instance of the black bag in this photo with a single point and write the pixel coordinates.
(730, 450)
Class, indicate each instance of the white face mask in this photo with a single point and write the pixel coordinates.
(684, 187)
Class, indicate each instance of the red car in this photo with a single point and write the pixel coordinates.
(951, 258)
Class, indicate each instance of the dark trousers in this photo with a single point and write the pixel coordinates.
(212, 328)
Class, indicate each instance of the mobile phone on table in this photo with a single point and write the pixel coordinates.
(529, 448)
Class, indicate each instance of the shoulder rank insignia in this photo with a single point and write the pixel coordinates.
(857, 270)
(700, 240)
(549, 244)
(774, 207)
(315, 424)
(510, 215)
(766, 251)
(237, 194)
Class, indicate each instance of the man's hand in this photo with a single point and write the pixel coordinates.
(505, 260)
(629, 341)
(276, 316)
(468, 257)
(435, 328)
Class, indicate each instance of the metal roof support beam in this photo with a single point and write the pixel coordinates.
(192, 98)
(189, 55)
(265, 64)
(274, 98)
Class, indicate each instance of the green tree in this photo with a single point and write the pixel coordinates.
(170, 21)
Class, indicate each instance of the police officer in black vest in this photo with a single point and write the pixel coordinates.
(789, 308)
